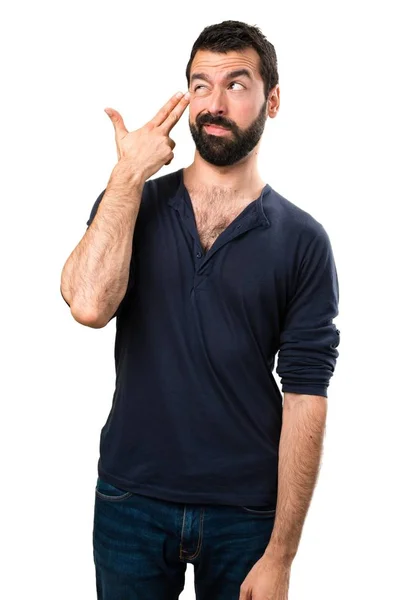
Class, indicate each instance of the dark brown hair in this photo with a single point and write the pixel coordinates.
(233, 36)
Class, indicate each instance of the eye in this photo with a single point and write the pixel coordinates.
(236, 83)
(232, 83)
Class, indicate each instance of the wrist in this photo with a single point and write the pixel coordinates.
(125, 173)
(279, 554)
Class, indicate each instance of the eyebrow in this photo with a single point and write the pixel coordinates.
(231, 75)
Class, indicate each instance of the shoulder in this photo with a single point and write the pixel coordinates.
(153, 193)
(157, 192)
(289, 221)
(164, 184)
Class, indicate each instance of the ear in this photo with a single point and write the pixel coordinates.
(273, 102)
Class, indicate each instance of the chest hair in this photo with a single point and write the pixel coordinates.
(214, 211)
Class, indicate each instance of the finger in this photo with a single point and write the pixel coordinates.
(175, 115)
(165, 111)
(117, 121)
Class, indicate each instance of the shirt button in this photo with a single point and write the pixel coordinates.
(199, 255)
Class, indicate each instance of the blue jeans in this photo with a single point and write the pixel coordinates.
(142, 546)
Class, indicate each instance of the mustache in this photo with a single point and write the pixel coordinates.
(209, 120)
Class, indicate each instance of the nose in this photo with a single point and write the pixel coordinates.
(217, 104)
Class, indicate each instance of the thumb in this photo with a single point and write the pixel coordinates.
(117, 121)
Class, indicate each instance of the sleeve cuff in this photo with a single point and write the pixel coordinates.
(304, 388)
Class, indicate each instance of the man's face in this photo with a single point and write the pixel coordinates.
(222, 94)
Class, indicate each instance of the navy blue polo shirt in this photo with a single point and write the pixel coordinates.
(196, 414)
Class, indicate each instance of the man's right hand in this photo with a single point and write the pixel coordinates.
(150, 147)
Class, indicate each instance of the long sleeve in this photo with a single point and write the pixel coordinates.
(309, 338)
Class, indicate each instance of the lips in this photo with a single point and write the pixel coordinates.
(211, 125)
(215, 128)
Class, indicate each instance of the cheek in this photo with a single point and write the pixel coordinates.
(197, 103)
(194, 111)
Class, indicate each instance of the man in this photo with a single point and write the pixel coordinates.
(210, 273)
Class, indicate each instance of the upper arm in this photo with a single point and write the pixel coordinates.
(309, 338)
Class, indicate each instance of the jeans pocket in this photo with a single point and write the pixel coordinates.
(260, 510)
(106, 491)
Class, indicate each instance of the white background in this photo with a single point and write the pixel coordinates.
(332, 150)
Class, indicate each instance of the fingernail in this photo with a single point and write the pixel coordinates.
(187, 95)
(179, 95)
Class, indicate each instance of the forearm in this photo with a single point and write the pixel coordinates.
(95, 276)
(300, 451)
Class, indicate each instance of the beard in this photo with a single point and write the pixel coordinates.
(226, 150)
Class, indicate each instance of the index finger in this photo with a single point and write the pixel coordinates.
(175, 114)
(165, 111)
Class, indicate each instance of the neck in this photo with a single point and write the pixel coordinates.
(241, 180)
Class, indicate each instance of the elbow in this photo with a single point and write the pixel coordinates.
(89, 319)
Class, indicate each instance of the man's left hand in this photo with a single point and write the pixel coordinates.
(267, 580)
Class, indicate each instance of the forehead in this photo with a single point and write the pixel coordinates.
(216, 63)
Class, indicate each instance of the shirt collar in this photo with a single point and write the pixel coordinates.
(177, 201)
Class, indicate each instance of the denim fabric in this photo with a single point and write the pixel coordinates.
(142, 545)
